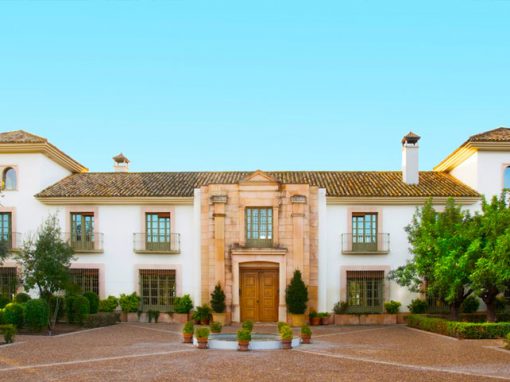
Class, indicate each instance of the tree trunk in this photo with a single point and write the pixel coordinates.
(454, 311)
(489, 298)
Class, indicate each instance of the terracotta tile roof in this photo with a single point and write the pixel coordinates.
(501, 134)
(20, 136)
(182, 184)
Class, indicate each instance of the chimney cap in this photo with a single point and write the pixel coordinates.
(120, 158)
(411, 138)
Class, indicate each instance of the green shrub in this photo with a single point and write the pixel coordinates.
(202, 332)
(14, 315)
(21, 298)
(501, 304)
(470, 305)
(204, 312)
(129, 303)
(188, 327)
(93, 301)
(341, 307)
(109, 304)
(248, 325)
(286, 333)
(4, 300)
(215, 327)
(9, 332)
(507, 341)
(418, 306)
(101, 319)
(323, 315)
(52, 301)
(281, 324)
(313, 314)
(296, 294)
(244, 335)
(37, 314)
(153, 315)
(218, 299)
(77, 309)
(305, 329)
(2, 317)
(183, 304)
(392, 307)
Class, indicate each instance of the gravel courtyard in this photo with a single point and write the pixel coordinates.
(133, 352)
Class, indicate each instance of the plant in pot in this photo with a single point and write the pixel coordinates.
(218, 304)
(182, 307)
(129, 304)
(306, 334)
(286, 336)
(341, 307)
(215, 327)
(243, 339)
(204, 312)
(324, 318)
(187, 332)
(392, 307)
(248, 325)
(296, 297)
(314, 318)
(195, 317)
(202, 335)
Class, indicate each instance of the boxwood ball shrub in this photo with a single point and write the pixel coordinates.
(14, 315)
(4, 300)
(129, 302)
(248, 325)
(244, 335)
(470, 305)
(93, 301)
(109, 304)
(418, 306)
(2, 317)
(77, 309)
(286, 333)
(183, 304)
(281, 324)
(202, 332)
(9, 332)
(37, 313)
(21, 298)
(507, 340)
(392, 307)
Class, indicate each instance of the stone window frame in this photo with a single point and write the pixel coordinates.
(259, 203)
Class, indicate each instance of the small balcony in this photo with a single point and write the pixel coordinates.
(13, 241)
(85, 243)
(166, 244)
(378, 244)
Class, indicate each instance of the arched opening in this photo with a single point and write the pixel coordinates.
(9, 179)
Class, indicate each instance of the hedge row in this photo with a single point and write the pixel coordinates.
(101, 319)
(465, 330)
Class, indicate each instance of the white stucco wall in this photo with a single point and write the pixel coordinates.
(467, 171)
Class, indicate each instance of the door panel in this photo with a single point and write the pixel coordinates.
(249, 296)
(268, 281)
(259, 295)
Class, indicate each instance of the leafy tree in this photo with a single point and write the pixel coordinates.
(296, 294)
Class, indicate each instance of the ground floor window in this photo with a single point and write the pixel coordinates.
(365, 291)
(87, 280)
(157, 289)
(8, 281)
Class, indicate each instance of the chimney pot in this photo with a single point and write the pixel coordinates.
(121, 163)
(410, 163)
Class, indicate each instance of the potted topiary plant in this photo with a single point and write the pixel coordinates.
(182, 307)
(187, 332)
(243, 339)
(296, 297)
(286, 336)
(129, 304)
(202, 336)
(204, 312)
(324, 318)
(218, 304)
(314, 318)
(306, 334)
(215, 327)
(248, 325)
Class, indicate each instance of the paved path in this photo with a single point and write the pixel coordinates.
(133, 352)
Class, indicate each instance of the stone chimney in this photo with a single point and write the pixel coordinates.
(120, 163)
(410, 149)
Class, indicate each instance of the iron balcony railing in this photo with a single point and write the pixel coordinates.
(365, 244)
(168, 243)
(13, 241)
(89, 242)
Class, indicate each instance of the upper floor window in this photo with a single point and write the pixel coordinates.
(82, 230)
(6, 228)
(259, 227)
(9, 179)
(506, 178)
(364, 232)
(157, 229)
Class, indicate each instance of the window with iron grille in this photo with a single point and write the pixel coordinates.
(8, 281)
(157, 230)
(85, 279)
(82, 230)
(365, 291)
(259, 227)
(157, 289)
(364, 232)
(6, 228)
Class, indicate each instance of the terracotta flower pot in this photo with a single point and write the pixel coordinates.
(204, 322)
(297, 320)
(305, 338)
(314, 321)
(286, 344)
(187, 338)
(202, 343)
(243, 345)
(325, 320)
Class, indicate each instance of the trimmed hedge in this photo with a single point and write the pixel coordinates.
(93, 301)
(465, 330)
(101, 319)
(22, 298)
(507, 340)
(37, 313)
(14, 314)
(4, 300)
(77, 309)
(9, 332)
(108, 305)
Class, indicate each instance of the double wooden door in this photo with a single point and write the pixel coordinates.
(259, 295)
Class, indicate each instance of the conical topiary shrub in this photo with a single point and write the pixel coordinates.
(296, 297)
(218, 305)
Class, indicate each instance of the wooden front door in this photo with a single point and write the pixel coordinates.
(259, 295)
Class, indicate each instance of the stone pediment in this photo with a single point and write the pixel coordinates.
(259, 177)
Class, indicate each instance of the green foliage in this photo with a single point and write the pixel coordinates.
(109, 304)
(465, 330)
(417, 306)
(93, 301)
(4, 250)
(37, 314)
(101, 319)
(313, 313)
(129, 303)
(9, 332)
(244, 335)
(286, 333)
(305, 329)
(77, 309)
(470, 305)
(153, 315)
(2, 322)
(218, 299)
(281, 324)
(188, 327)
(203, 312)
(392, 307)
(296, 294)
(14, 314)
(4, 300)
(202, 332)
(215, 327)
(183, 304)
(323, 315)
(56, 303)
(21, 298)
(341, 307)
(507, 341)
(248, 325)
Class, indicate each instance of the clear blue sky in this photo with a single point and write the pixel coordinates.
(217, 85)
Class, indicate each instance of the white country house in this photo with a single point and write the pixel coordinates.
(164, 234)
